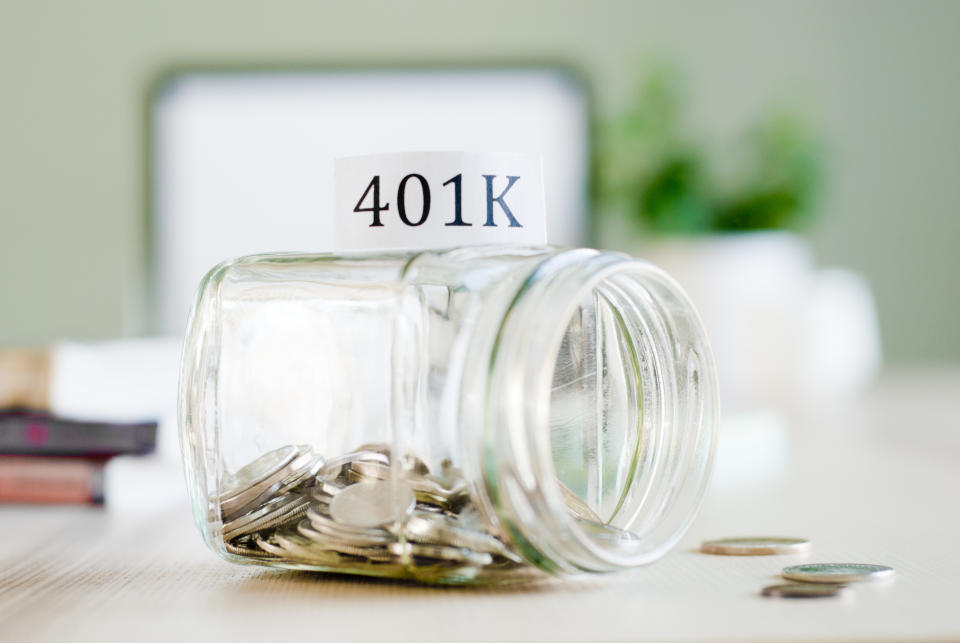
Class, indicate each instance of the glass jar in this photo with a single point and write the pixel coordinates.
(465, 415)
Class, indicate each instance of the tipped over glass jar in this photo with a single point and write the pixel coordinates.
(477, 414)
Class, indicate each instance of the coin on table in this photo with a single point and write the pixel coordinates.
(805, 590)
(372, 504)
(755, 546)
(837, 572)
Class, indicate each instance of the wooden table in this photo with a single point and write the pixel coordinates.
(876, 482)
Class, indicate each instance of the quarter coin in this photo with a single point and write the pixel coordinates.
(755, 546)
(836, 572)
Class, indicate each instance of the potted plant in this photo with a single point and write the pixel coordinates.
(727, 225)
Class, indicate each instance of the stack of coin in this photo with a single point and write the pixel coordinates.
(362, 513)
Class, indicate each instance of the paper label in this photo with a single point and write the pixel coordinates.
(420, 200)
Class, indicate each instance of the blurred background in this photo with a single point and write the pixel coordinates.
(875, 84)
(794, 165)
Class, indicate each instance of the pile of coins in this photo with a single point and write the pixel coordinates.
(360, 513)
(812, 580)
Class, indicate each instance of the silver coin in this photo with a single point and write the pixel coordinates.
(325, 490)
(255, 514)
(301, 548)
(408, 551)
(449, 485)
(255, 471)
(347, 533)
(379, 552)
(291, 515)
(428, 488)
(805, 590)
(267, 544)
(334, 466)
(372, 503)
(757, 546)
(837, 572)
(433, 529)
(240, 550)
(304, 476)
(284, 479)
(275, 512)
(410, 461)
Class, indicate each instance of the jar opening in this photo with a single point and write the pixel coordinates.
(603, 396)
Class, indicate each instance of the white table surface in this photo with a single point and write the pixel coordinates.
(876, 482)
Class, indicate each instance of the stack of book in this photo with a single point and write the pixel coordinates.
(46, 459)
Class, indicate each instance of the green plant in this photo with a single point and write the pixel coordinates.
(661, 178)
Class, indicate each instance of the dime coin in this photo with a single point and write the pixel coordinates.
(805, 590)
(372, 504)
(836, 572)
(759, 546)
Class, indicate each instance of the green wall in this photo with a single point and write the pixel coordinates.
(881, 79)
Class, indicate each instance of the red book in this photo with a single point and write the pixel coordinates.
(51, 480)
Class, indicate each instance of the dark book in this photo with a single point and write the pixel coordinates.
(25, 432)
(51, 480)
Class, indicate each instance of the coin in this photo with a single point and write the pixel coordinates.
(254, 471)
(372, 504)
(349, 513)
(347, 533)
(240, 550)
(333, 468)
(440, 552)
(805, 590)
(428, 488)
(837, 572)
(304, 476)
(755, 546)
(276, 483)
(351, 547)
(410, 461)
(433, 529)
(277, 512)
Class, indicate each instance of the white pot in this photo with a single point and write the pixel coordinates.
(783, 332)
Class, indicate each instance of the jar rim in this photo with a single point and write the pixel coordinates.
(524, 480)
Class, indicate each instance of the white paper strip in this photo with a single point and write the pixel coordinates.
(419, 200)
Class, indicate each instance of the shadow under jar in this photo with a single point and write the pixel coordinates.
(477, 414)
